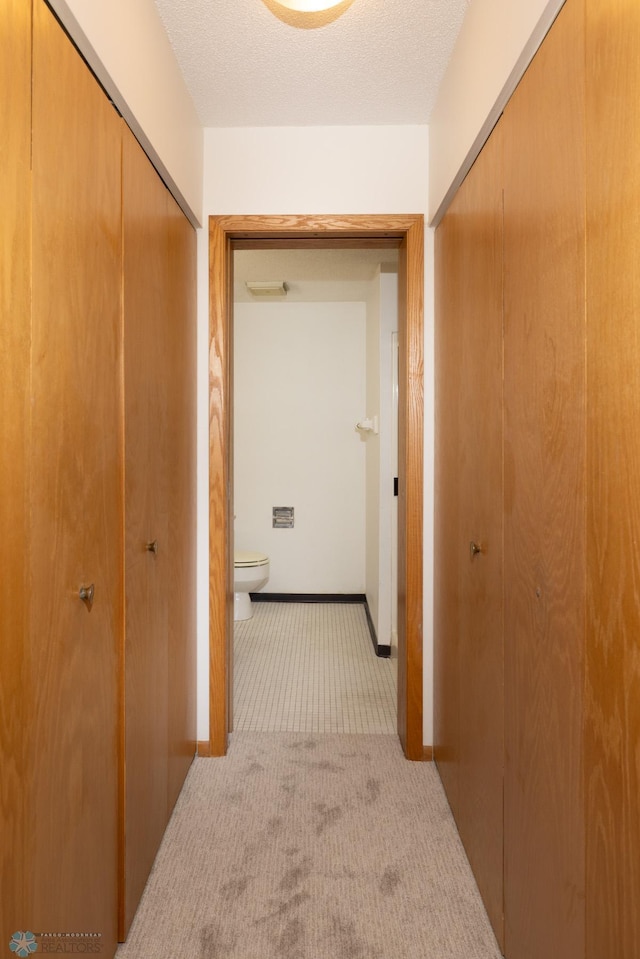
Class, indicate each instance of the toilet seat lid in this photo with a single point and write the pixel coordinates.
(245, 557)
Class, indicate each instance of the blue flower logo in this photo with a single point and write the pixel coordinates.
(23, 944)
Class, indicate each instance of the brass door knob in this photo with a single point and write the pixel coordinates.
(474, 549)
(86, 594)
(152, 547)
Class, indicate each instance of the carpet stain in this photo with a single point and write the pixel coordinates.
(390, 881)
(347, 944)
(373, 789)
(253, 767)
(324, 765)
(234, 888)
(289, 785)
(285, 907)
(296, 875)
(275, 825)
(215, 943)
(309, 743)
(235, 798)
(290, 944)
(250, 852)
(328, 816)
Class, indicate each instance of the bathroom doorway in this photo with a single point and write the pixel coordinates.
(312, 439)
(407, 234)
(312, 395)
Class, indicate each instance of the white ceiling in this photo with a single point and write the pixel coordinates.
(380, 63)
(312, 276)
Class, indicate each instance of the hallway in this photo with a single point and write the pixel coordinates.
(313, 838)
(311, 846)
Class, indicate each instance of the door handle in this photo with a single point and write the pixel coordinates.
(474, 549)
(86, 594)
(152, 547)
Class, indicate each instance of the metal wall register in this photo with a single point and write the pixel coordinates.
(283, 517)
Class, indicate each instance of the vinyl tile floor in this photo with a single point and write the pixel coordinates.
(311, 667)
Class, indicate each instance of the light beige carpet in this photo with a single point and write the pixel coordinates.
(298, 846)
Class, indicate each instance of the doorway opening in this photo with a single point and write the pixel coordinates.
(226, 235)
(312, 411)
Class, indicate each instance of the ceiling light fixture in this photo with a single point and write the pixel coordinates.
(307, 14)
(309, 6)
(269, 288)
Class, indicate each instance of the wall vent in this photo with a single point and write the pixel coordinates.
(283, 517)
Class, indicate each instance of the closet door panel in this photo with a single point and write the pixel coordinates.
(146, 679)
(613, 478)
(448, 532)
(76, 501)
(545, 548)
(469, 637)
(480, 466)
(181, 433)
(15, 341)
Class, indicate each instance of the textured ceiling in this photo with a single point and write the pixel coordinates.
(381, 62)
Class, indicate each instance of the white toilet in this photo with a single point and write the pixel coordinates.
(251, 572)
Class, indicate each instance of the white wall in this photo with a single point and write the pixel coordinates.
(382, 320)
(371, 446)
(388, 323)
(496, 44)
(271, 170)
(325, 170)
(126, 46)
(299, 390)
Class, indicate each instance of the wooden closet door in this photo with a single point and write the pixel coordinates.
(545, 547)
(15, 339)
(469, 634)
(76, 501)
(181, 458)
(449, 535)
(480, 464)
(613, 480)
(147, 583)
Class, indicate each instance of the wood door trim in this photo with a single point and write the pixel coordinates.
(314, 227)
(408, 231)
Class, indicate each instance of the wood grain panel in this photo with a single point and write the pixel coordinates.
(76, 501)
(469, 656)
(544, 243)
(320, 243)
(410, 488)
(223, 231)
(220, 460)
(447, 519)
(15, 340)
(302, 228)
(613, 481)
(181, 436)
(479, 470)
(147, 575)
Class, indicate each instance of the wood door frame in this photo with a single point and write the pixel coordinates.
(227, 233)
